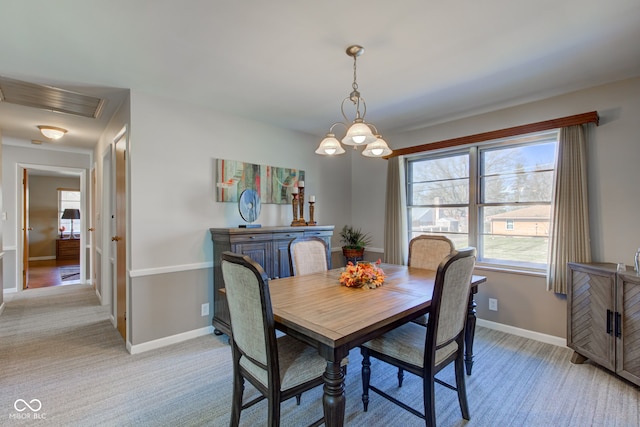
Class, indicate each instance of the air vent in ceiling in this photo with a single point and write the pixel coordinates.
(49, 98)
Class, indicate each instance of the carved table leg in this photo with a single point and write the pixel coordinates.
(333, 401)
(470, 332)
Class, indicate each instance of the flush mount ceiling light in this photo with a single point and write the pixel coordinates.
(52, 132)
(359, 132)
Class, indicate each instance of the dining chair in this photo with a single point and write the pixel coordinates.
(426, 351)
(308, 255)
(427, 251)
(278, 367)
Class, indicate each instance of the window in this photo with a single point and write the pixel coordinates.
(495, 196)
(68, 199)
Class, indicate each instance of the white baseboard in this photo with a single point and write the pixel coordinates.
(549, 339)
(174, 339)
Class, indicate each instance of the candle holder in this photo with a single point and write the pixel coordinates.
(294, 205)
(311, 213)
(301, 205)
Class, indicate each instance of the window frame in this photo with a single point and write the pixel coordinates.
(475, 203)
(64, 204)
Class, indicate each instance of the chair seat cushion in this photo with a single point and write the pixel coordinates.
(298, 361)
(406, 343)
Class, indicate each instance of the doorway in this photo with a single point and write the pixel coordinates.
(39, 226)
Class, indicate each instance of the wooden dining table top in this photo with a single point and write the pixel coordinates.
(319, 309)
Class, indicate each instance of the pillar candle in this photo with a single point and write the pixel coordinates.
(300, 183)
(312, 199)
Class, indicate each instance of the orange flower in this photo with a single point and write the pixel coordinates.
(362, 274)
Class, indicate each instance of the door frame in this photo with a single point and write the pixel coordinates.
(77, 172)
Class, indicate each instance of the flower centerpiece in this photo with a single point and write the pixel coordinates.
(61, 230)
(365, 274)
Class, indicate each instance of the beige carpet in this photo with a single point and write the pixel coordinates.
(58, 346)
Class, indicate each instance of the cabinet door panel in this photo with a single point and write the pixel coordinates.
(260, 252)
(591, 296)
(628, 345)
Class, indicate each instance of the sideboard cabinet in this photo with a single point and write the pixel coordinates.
(603, 317)
(268, 246)
(68, 249)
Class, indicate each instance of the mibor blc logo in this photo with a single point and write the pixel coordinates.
(27, 410)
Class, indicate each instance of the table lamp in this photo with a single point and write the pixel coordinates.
(71, 214)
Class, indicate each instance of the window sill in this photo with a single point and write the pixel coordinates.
(511, 270)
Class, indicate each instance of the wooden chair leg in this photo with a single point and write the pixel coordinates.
(236, 405)
(366, 377)
(274, 411)
(400, 376)
(461, 387)
(429, 400)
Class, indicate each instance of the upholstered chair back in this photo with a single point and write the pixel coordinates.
(451, 296)
(252, 324)
(308, 255)
(428, 251)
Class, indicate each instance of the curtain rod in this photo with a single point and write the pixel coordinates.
(578, 119)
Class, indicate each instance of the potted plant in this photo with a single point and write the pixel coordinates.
(353, 242)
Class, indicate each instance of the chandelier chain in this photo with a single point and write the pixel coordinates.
(355, 83)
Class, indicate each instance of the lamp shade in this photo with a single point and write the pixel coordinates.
(71, 214)
(378, 148)
(358, 134)
(330, 146)
(52, 132)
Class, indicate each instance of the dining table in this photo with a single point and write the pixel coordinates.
(334, 318)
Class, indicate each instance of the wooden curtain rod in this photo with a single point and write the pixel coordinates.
(578, 119)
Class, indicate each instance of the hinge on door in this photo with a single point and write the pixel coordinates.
(125, 316)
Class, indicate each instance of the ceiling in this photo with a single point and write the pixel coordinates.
(284, 62)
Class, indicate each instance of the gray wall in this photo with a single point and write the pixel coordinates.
(614, 194)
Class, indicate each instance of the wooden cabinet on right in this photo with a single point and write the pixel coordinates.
(603, 317)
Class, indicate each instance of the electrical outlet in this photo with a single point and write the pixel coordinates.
(493, 304)
(204, 310)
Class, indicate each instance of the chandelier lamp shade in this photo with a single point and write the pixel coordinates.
(359, 133)
(52, 132)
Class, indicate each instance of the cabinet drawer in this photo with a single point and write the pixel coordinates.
(319, 233)
(245, 238)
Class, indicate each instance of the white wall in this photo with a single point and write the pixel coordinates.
(614, 192)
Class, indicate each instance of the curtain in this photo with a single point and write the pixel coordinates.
(395, 224)
(570, 240)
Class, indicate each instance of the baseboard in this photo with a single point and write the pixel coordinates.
(173, 339)
(537, 336)
(42, 258)
(10, 290)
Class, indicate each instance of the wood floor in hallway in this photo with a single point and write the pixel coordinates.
(47, 273)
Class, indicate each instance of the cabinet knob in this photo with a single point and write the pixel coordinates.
(115, 239)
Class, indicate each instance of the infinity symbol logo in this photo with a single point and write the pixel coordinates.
(37, 405)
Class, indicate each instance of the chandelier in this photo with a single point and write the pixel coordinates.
(359, 133)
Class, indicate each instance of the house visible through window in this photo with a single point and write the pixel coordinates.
(68, 199)
(495, 196)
